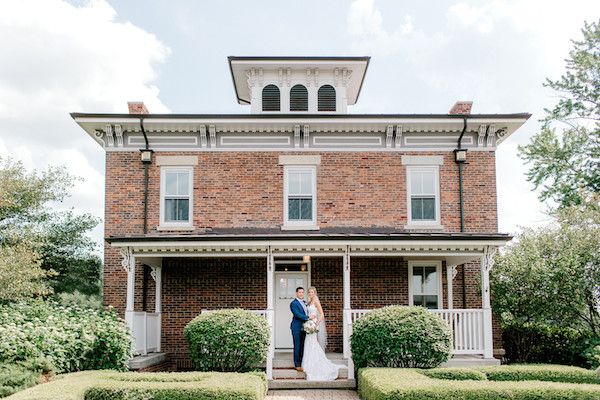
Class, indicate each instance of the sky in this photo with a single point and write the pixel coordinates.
(59, 56)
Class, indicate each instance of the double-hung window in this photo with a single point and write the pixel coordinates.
(425, 284)
(176, 189)
(300, 197)
(423, 195)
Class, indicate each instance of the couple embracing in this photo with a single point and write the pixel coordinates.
(310, 339)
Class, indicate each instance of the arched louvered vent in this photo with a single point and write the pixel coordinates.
(326, 101)
(271, 100)
(298, 98)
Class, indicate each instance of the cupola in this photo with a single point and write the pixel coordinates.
(297, 85)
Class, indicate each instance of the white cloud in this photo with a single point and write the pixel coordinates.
(59, 58)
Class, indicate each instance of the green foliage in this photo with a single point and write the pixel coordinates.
(566, 165)
(21, 274)
(550, 275)
(541, 343)
(36, 243)
(15, 377)
(228, 340)
(541, 372)
(455, 374)
(399, 336)
(592, 356)
(78, 299)
(388, 384)
(70, 338)
(135, 385)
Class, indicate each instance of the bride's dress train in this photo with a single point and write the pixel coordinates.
(315, 363)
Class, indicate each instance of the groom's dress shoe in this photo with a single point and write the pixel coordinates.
(299, 369)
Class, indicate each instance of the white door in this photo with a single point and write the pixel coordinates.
(285, 291)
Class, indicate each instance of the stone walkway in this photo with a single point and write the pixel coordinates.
(312, 394)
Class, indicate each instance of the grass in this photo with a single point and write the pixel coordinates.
(133, 385)
(413, 384)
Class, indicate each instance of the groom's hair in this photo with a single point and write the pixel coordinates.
(299, 288)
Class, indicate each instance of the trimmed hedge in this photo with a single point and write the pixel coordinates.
(399, 336)
(15, 377)
(228, 341)
(540, 372)
(455, 374)
(403, 384)
(139, 385)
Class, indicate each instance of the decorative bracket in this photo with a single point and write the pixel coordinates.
(109, 135)
(398, 140)
(269, 259)
(306, 132)
(389, 136)
(454, 271)
(128, 261)
(99, 134)
(347, 257)
(481, 137)
(296, 135)
(203, 141)
(488, 257)
(153, 272)
(213, 135)
(119, 135)
(491, 135)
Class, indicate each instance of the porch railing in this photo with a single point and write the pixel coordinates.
(146, 332)
(466, 326)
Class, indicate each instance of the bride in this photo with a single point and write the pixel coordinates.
(315, 363)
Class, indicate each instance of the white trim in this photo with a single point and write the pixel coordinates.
(176, 160)
(425, 263)
(183, 224)
(299, 160)
(422, 160)
(301, 224)
(435, 223)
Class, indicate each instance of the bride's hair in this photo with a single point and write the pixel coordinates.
(316, 294)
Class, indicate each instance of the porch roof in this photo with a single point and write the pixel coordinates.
(330, 233)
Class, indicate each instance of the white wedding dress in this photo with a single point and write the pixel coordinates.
(315, 363)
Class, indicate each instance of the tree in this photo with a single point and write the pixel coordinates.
(36, 242)
(551, 275)
(565, 155)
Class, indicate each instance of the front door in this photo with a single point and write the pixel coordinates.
(285, 291)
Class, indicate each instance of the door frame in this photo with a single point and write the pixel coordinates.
(276, 273)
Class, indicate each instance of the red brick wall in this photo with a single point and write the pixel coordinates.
(327, 276)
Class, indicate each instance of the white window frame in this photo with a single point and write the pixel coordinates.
(299, 225)
(182, 225)
(425, 263)
(436, 172)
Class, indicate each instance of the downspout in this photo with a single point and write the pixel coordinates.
(146, 162)
(462, 211)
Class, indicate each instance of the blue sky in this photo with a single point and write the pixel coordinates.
(94, 56)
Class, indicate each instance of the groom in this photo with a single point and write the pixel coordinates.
(300, 313)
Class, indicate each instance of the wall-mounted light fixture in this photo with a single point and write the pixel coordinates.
(146, 156)
(460, 155)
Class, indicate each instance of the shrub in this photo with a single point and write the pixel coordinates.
(15, 377)
(455, 374)
(540, 343)
(392, 384)
(131, 385)
(398, 336)
(228, 340)
(532, 372)
(70, 338)
(592, 356)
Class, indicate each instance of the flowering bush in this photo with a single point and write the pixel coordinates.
(70, 338)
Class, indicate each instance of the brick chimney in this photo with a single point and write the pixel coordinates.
(461, 107)
(137, 107)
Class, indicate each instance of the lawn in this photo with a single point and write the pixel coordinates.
(110, 385)
(490, 383)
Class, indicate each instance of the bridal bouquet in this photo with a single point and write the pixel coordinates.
(310, 326)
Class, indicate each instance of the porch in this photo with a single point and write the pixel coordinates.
(471, 327)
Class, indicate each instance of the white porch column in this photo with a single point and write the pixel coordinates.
(128, 264)
(487, 261)
(347, 331)
(450, 273)
(270, 311)
(156, 274)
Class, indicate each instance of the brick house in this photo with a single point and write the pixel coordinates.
(222, 211)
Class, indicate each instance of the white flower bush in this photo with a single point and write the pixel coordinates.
(70, 338)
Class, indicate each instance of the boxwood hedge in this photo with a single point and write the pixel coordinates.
(540, 372)
(396, 383)
(399, 336)
(228, 340)
(455, 374)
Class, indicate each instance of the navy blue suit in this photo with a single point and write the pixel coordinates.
(297, 328)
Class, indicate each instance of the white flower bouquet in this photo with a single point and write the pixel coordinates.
(310, 327)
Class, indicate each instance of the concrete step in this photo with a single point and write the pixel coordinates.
(291, 373)
(303, 384)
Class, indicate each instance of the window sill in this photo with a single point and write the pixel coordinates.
(299, 228)
(178, 228)
(412, 227)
